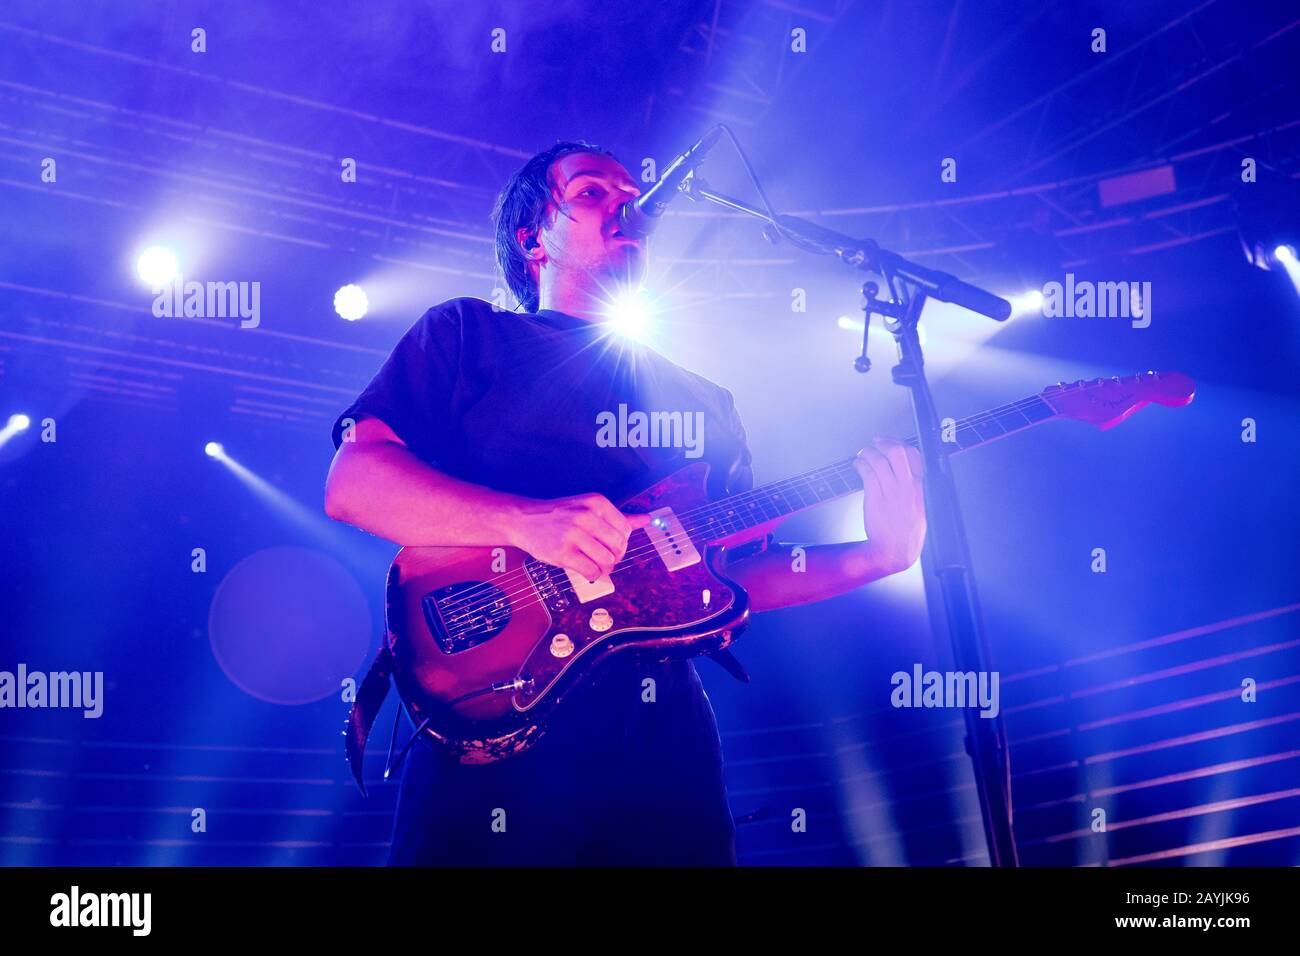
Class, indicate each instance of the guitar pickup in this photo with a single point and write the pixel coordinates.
(671, 541)
(589, 590)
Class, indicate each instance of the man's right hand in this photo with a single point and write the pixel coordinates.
(585, 534)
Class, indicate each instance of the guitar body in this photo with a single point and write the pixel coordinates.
(488, 642)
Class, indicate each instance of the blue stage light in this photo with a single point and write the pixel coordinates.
(1284, 255)
(214, 449)
(17, 424)
(630, 315)
(157, 266)
(350, 302)
(1026, 303)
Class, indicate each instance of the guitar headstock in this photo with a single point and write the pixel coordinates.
(1105, 402)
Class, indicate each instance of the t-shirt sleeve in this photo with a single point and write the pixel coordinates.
(740, 478)
(414, 390)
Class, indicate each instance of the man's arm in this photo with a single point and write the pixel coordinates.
(377, 484)
(893, 513)
(775, 579)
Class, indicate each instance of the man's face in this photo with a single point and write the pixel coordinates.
(580, 232)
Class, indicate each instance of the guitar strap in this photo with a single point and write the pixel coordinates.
(727, 661)
(365, 708)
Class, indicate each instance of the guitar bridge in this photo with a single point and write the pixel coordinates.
(671, 541)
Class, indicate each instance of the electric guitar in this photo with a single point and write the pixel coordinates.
(485, 643)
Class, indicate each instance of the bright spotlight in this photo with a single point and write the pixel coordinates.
(1284, 255)
(157, 266)
(214, 449)
(630, 315)
(350, 302)
(1027, 302)
(17, 423)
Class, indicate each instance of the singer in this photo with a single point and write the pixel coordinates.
(478, 431)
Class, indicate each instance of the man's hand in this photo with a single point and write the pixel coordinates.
(583, 533)
(893, 502)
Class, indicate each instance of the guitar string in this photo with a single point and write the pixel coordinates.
(628, 559)
(458, 605)
(714, 509)
(479, 619)
(458, 627)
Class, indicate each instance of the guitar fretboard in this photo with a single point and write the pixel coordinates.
(780, 499)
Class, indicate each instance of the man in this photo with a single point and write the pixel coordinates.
(481, 429)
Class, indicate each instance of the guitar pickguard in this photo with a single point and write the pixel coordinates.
(669, 595)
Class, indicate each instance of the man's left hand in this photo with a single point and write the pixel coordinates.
(893, 503)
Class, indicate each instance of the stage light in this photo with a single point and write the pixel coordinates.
(1266, 218)
(311, 521)
(157, 266)
(1026, 303)
(17, 423)
(1284, 255)
(630, 315)
(350, 302)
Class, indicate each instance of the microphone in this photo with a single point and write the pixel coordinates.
(638, 217)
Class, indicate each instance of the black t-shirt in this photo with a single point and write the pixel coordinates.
(528, 403)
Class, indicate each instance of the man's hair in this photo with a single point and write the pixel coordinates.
(523, 203)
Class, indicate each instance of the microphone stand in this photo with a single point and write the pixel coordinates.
(946, 556)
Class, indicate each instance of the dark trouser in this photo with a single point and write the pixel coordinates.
(644, 788)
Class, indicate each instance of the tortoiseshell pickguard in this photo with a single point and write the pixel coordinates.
(648, 602)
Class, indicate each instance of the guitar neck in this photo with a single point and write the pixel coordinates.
(779, 499)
